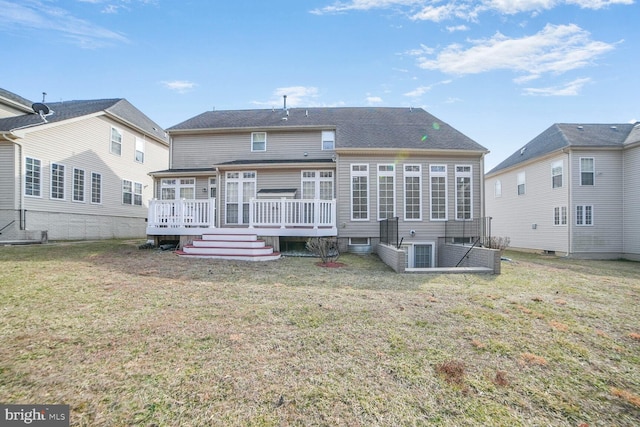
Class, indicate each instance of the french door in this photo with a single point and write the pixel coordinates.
(241, 188)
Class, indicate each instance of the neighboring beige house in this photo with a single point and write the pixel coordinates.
(76, 169)
(573, 190)
(289, 174)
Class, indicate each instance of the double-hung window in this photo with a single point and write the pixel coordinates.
(386, 191)
(131, 193)
(521, 183)
(177, 188)
(328, 139)
(78, 185)
(438, 189)
(556, 174)
(497, 189)
(464, 198)
(560, 215)
(57, 181)
(587, 171)
(259, 141)
(32, 177)
(584, 215)
(359, 192)
(116, 141)
(139, 154)
(96, 188)
(412, 192)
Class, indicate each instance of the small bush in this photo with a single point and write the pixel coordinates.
(500, 243)
(324, 247)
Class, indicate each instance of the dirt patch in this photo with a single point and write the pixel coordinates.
(330, 264)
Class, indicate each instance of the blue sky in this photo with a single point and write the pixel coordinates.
(500, 71)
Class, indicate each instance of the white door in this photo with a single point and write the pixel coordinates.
(241, 188)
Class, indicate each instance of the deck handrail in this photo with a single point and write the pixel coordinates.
(285, 213)
(181, 213)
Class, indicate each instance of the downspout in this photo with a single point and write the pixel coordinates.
(570, 201)
(21, 197)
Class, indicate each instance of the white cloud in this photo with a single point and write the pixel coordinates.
(296, 96)
(570, 89)
(180, 86)
(455, 28)
(419, 91)
(39, 16)
(372, 100)
(437, 10)
(555, 49)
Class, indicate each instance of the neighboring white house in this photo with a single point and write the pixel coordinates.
(573, 190)
(290, 174)
(76, 169)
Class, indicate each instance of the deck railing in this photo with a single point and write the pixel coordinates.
(292, 213)
(283, 213)
(182, 213)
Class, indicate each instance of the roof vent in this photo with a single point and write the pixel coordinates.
(580, 127)
(522, 150)
(614, 127)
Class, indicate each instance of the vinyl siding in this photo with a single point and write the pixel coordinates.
(631, 226)
(199, 151)
(528, 219)
(84, 144)
(605, 235)
(7, 111)
(425, 229)
(8, 175)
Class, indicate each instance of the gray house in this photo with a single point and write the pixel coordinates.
(572, 190)
(76, 169)
(285, 175)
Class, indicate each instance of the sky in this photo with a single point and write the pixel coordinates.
(499, 71)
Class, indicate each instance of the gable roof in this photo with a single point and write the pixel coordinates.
(15, 100)
(563, 135)
(356, 127)
(118, 108)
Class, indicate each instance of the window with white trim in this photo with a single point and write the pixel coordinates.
(139, 154)
(96, 188)
(116, 141)
(497, 189)
(464, 196)
(359, 192)
(556, 174)
(584, 215)
(78, 185)
(521, 183)
(560, 215)
(32, 177)
(587, 171)
(412, 192)
(178, 188)
(258, 141)
(57, 181)
(328, 139)
(386, 191)
(131, 193)
(359, 241)
(317, 184)
(438, 189)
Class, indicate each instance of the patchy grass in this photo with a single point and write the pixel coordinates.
(142, 337)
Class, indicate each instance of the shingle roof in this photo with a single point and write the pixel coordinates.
(15, 98)
(561, 135)
(118, 107)
(358, 127)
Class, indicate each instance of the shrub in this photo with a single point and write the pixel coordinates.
(324, 247)
(500, 243)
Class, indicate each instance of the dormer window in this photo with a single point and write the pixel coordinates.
(259, 141)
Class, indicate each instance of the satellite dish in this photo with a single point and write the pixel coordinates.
(42, 109)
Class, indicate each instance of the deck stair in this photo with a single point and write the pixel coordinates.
(240, 244)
